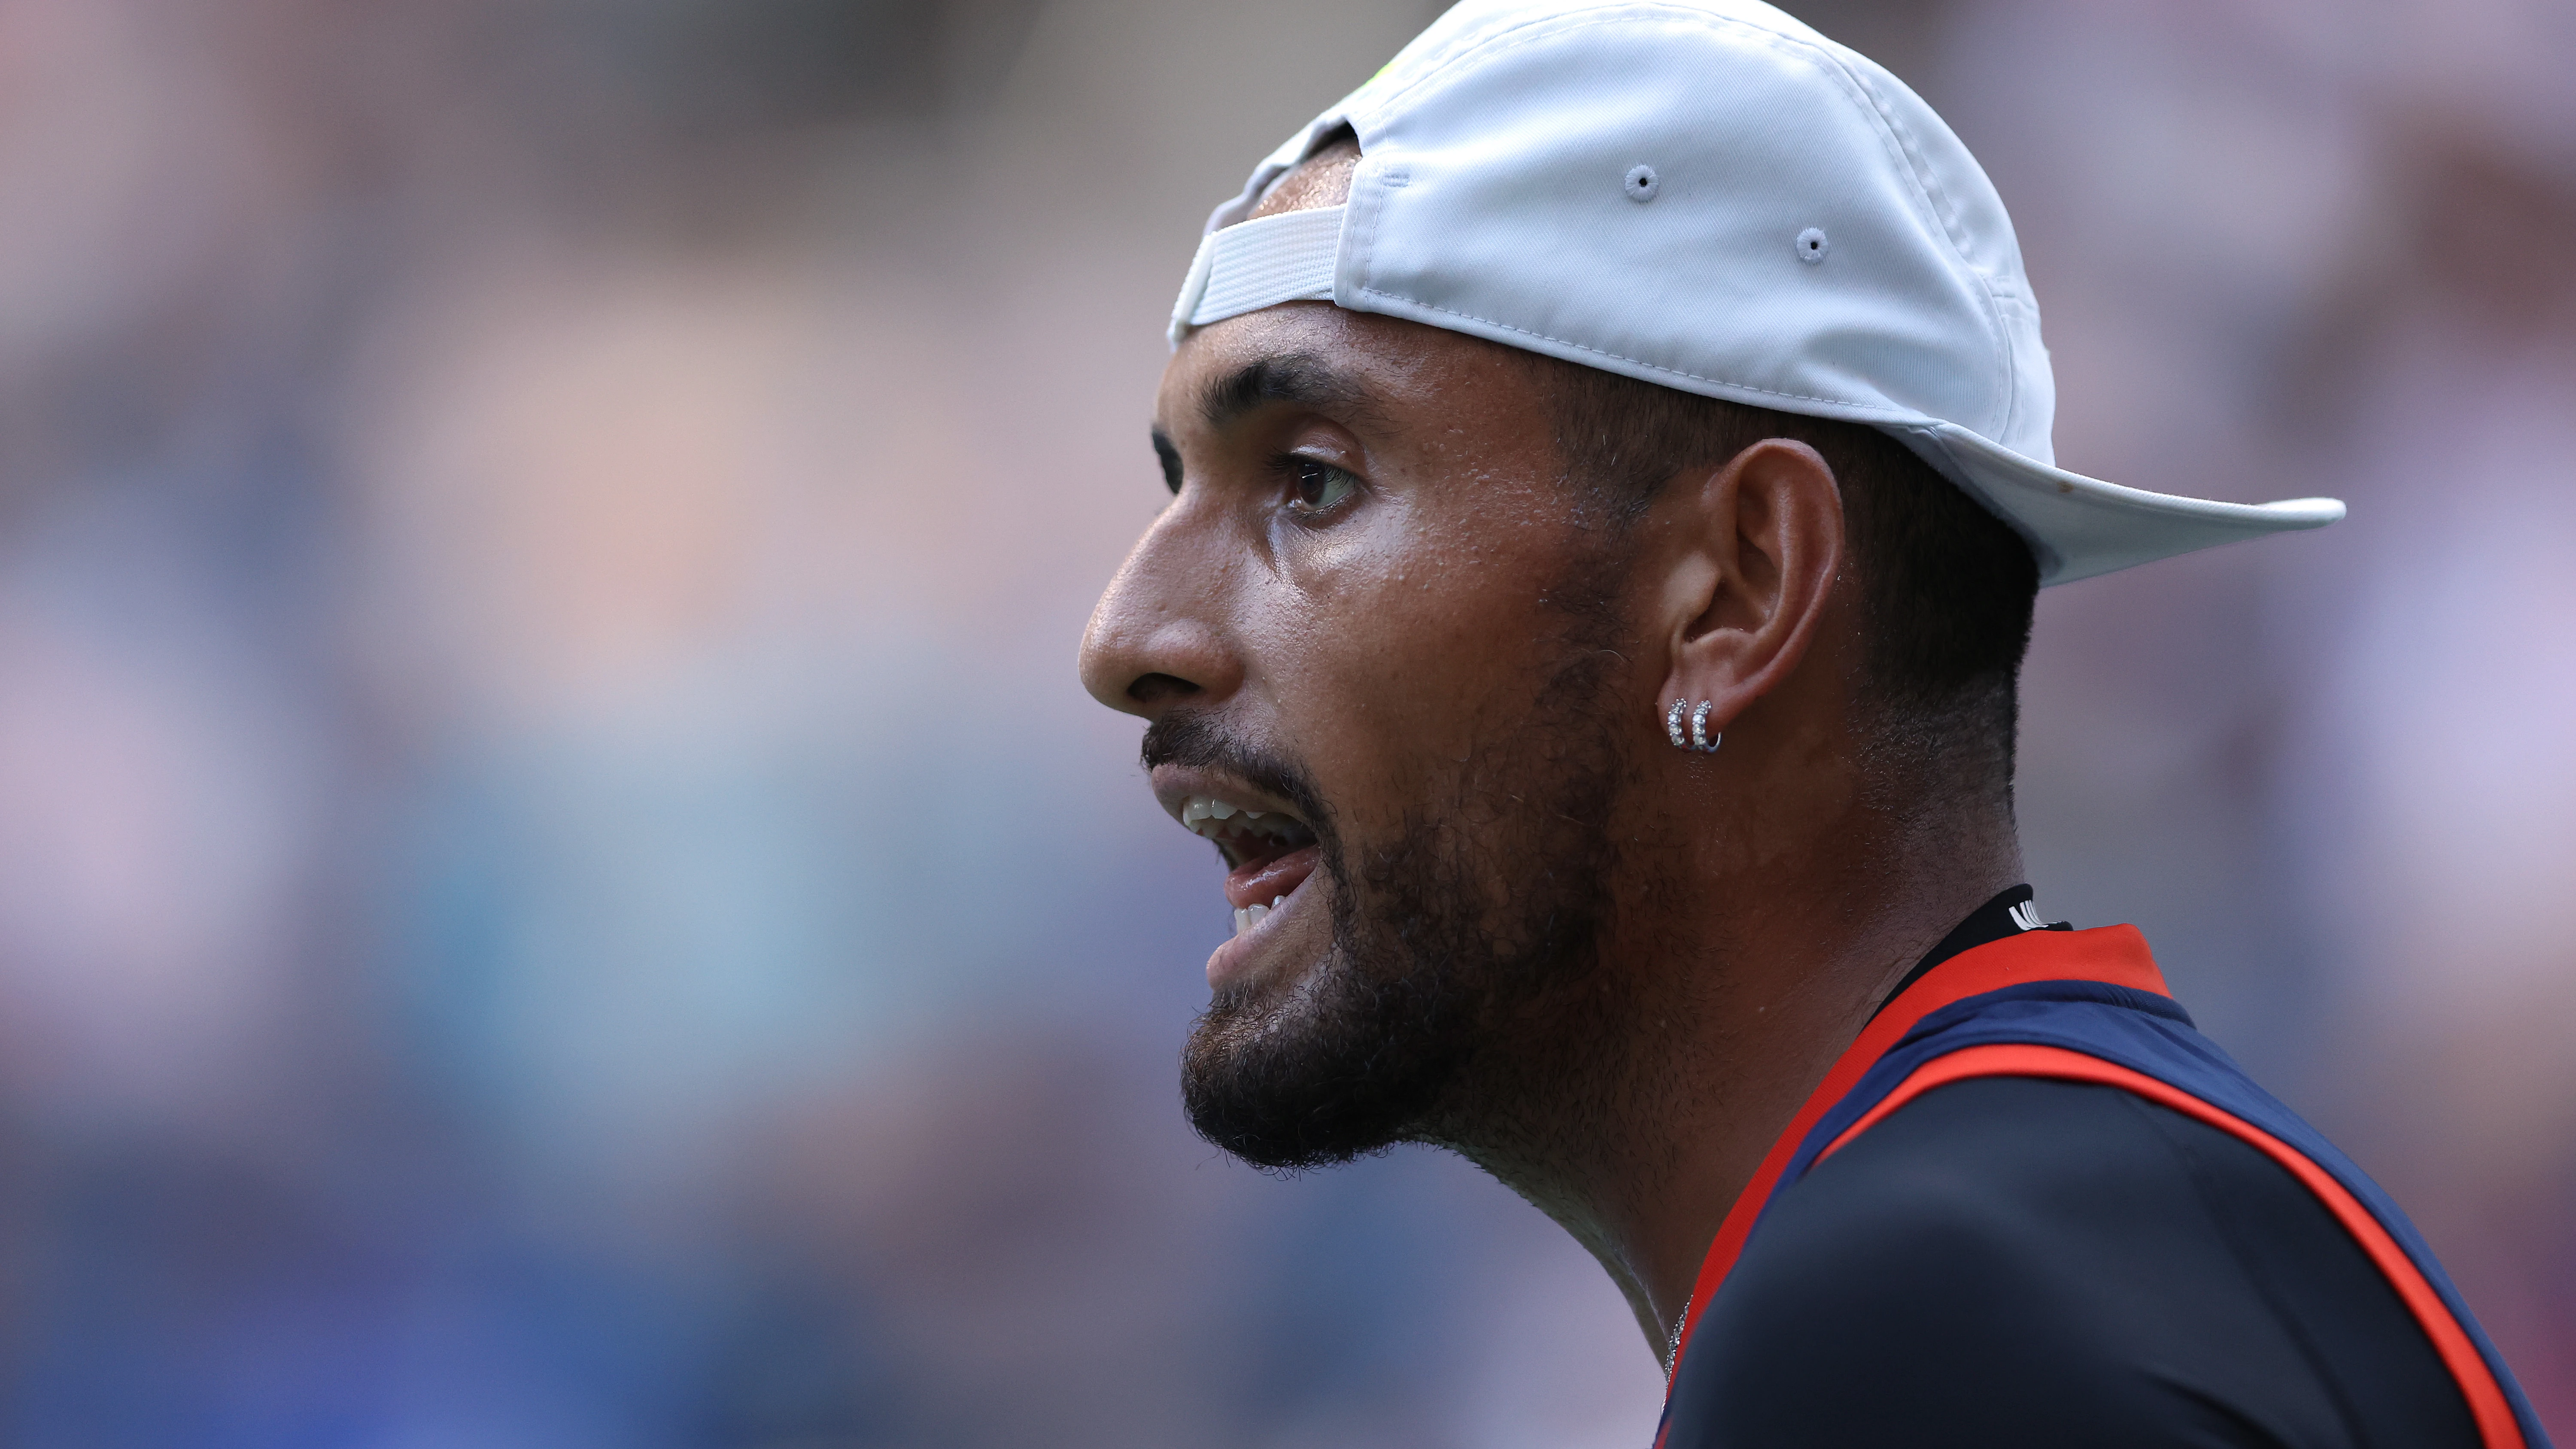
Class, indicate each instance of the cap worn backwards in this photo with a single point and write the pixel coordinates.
(1709, 195)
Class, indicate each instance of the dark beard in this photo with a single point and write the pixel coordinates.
(1463, 997)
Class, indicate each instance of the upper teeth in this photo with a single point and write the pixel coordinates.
(1213, 818)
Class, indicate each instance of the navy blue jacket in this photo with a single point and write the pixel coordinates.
(2031, 1205)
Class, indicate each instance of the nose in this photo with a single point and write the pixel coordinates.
(1159, 636)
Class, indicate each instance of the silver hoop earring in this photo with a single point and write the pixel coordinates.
(1673, 723)
(1700, 739)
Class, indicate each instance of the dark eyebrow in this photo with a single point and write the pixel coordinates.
(1290, 377)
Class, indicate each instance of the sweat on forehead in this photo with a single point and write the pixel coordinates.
(1322, 179)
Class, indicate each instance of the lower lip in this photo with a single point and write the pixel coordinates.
(1241, 956)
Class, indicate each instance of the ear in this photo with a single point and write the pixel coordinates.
(1754, 550)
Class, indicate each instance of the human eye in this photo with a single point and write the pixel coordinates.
(1317, 486)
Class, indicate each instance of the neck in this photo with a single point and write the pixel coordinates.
(1725, 1016)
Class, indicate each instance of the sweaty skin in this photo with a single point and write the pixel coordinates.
(1369, 573)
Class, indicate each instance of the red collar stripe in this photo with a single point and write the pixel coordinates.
(2114, 954)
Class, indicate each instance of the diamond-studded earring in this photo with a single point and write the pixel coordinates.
(1699, 741)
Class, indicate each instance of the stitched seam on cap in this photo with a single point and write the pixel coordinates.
(1945, 213)
(1635, 361)
(1359, 228)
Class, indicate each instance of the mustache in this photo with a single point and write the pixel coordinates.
(1200, 741)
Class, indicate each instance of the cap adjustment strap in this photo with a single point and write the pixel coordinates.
(1243, 268)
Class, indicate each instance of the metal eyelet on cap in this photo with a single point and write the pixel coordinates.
(1642, 183)
(1812, 245)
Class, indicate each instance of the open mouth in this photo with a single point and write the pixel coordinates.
(1268, 854)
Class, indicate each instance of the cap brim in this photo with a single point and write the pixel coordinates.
(2083, 526)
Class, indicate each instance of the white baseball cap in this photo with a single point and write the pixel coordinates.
(1708, 195)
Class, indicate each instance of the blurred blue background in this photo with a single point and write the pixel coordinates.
(557, 888)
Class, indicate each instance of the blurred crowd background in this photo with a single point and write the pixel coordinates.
(557, 888)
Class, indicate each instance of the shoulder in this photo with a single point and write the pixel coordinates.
(2004, 1166)
(2012, 1260)
(2048, 1188)
(2000, 1220)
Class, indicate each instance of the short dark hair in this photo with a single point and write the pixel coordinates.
(1946, 587)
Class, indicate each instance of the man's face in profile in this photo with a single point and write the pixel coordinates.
(1381, 650)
